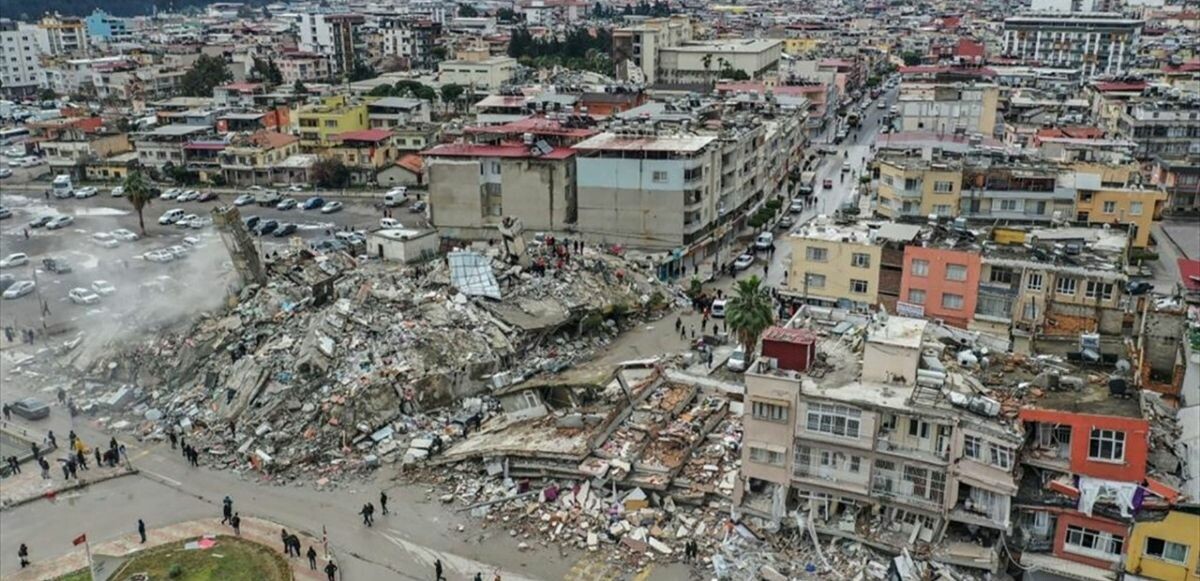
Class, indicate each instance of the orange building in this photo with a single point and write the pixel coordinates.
(939, 283)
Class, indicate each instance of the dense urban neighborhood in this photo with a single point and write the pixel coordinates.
(588, 290)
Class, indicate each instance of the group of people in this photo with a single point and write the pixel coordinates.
(190, 453)
(28, 336)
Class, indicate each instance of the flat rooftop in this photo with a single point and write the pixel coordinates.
(857, 233)
(898, 331)
(615, 142)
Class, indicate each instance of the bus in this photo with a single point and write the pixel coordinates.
(11, 135)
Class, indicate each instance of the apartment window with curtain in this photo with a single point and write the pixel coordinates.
(920, 267)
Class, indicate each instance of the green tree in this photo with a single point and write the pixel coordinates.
(47, 94)
(384, 90)
(299, 88)
(451, 93)
(911, 58)
(506, 15)
(207, 72)
(749, 312)
(467, 11)
(330, 172)
(139, 194)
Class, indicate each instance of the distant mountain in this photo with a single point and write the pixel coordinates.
(31, 10)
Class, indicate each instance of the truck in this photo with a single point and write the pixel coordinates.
(62, 186)
(853, 119)
(808, 182)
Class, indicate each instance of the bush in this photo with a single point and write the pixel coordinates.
(657, 300)
(774, 203)
(591, 323)
(175, 572)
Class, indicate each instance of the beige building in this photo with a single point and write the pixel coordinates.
(636, 49)
(915, 187)
(834, 265)
(948, 107)
(487, 74)
(711, 60)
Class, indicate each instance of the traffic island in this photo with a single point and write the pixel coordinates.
(28, 485)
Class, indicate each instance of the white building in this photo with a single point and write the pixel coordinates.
(948, 107)
(484, 75)
(333, 35)
(1097, 43)
(20, 59)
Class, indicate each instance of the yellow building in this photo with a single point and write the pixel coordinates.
(335, 115)
(252, 159)
(917, 188)
(799, 46)
(834, 265)
(1136, 208)
(1166, 550)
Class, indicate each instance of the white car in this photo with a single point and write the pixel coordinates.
(87, 192)
(60, 222)
(170, 217)
(186, 221)
(192, 241)
(103, 288)
(743, 262)
(104, 240)
(178, 251)
(12, 260)
(170, 194)
(243, 200)
(117, 191)
(286, 204)
(737, 361)
(124, 235)
(82, 296)
(296, 188)
(159, 256)
(19, 289)
(5, 172)
(198, 222)
(188, 196)
(390, 223)
(718, 308)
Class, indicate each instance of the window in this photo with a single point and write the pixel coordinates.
(834, 419)
(920, 267)
(769, 412)
(1095, 543)
(1033, 281)
(1107, 445)
(816, 254)
(916, 296)
(1029, 311)
(1135, 208)
(856, 465)
(826, 458)
(1065, 285)
(860, 260)
(973, 447)
(1110, 207)
(815, 280)
(496, 167)
(918, 428)
(942, 209)
(1010, 205)
(956, 272)
(943, 187)
(765, 456)
(1001, 457)
(1099, 290)
(952, 302)
(925, 483)
(659, 176)
(1166, 550)
(1000, 275)
(858, 286)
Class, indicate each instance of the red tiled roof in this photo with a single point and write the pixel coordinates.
(510, 150)
(969, 48)
(364, 135)
(534, 125)
(1112, 86)
(272, 139)
(1070, 133)
(412, 162)
(1189, 272)
(789, 335)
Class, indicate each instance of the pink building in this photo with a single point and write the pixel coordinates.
(939, 283)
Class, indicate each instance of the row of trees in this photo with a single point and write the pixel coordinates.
(450, 92)
(642, 8)
(578, 49)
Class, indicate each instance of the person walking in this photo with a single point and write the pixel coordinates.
(173, 438)
(50, 439)
(142, 530)
(81, 458)
(236, 521)
(312, 558)
(383, 502)
(23, 554)
(226, 510)
(331, 570)
(97, 454)
(295, 545)
(437, 570)
(7, 412)
(45, 466)
(366, 514)
(287, 541)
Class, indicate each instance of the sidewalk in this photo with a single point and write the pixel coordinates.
(29, 485)
(257, 530)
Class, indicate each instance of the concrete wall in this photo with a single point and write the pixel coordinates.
(537, 192)
(620, 201)
(838, 270)
(774, 390)
(935, 284)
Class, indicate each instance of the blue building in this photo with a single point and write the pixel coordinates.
(105, 27)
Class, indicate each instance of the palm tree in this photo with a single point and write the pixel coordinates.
(749, 312)
(137, 189)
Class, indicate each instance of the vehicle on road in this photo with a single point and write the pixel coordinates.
(718, 308)
(417, 207)
(395, 197)
(207, 197)
(268, 198)
(786, 222)
(82, 296)
(178, 251)
(60, 222)
(329, 245)
(846, 166)
(244, 200)
(171, 216)
(286, 204)
(7, 280)
(881, 105)
(313, 203)
(743, 262)
(5, 173)
(124, 235)
(117, 191)
(31, 408)
(19, 289)
(61, 186)
(158, 256)
(894, 110)
(797, 206)
(104, 240)
(1138, 287)
(56, 265)
(738, 361)
(103, 288)
(14, 260)
(284, 230)
(764, 241)
(40, 221)
(296, 188)
(842, 134)
(83, 193)
(186, 221)
(170, 194)
(192, 241)
(390, 223)
(5, 213)
(331, 207)
(251, 222)
(188, 196)
(827, 184)
(266, 227)
(198, 222)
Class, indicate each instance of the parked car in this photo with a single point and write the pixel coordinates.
(178, 251)
(743, 262)
(266, 227)
(395, 197)
(170, 194)
(331, 208)
(284, 230)
(19, 289)
(40, 221)
(718, 308)
(313, 203)
(159, 256)
(268, 198)
(296, 188)
(1138, 287)
(117, 191)
(14, 260)
(251, 222)
(390, 223)
(171, 216)
(764, 241)
(56, 265)
(738, 361)
(5, 173)
(286, 204)
(186, 220)
(31, 408)
(244, 200)
(188, 196)
(797, 206)
(103, 288)
(87, 192)
(60, 222)
(104, 240)
(7, 280)
(786, 222)
(82, 296)
(5, 213)
(207, 197)
(192, 241)
(417, 207)
(124, 235)
(827, 184)
(198, 222)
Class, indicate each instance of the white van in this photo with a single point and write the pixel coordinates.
(395, 197)
(764, 241)
(390, 223)
(171, 216)
(718, 309)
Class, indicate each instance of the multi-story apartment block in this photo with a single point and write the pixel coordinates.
(336, 36)
(1181, 180)
(393, 112)
(710, 60)
(834, 265)
(948, 108)
(76, 145)
(303, 67)
(364, 152)
(1017, 192)
(940, 282)
(411, 39)
(915, 188)
(21, 72)
(1162, 124)
(1134, 209)
(318, 124)
(484, 75)
(1097, 43)
(166, 144)
(104, 27)
(62, 36)
(640, 46)
(252, 159)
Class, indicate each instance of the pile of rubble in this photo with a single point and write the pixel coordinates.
(333, 364)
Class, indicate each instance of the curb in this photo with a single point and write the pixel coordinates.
(74, 486)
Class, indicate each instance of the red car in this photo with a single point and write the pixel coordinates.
(828, 184)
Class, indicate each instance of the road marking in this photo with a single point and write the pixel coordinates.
(465, 567)
(168, 479)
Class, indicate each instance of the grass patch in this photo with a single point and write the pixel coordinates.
(232, 559)
(80, 575)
